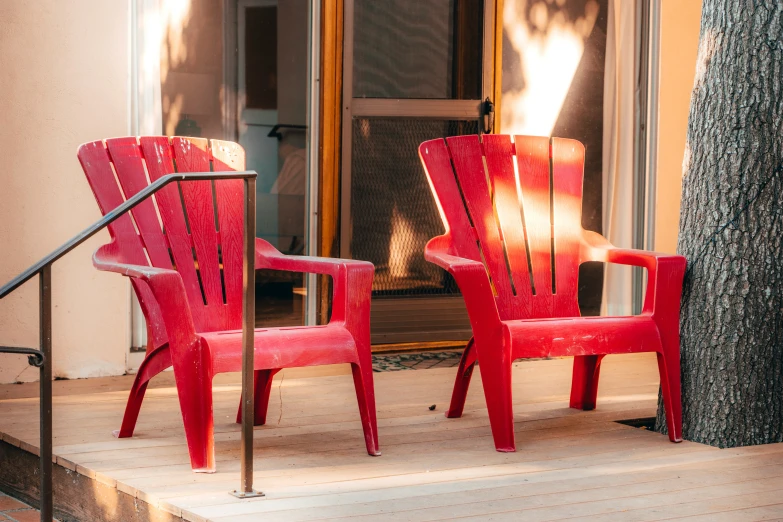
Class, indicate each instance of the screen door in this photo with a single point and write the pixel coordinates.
(413, 71)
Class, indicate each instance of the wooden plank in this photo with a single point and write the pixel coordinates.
(474, 496)
(543, 417)
(347, 442)
(160, 422)
(331, 132)
(276, 460)
(524, 474)
(769, 512)
(414, 346)
(299, 417)
(676, 504)
(313, 496)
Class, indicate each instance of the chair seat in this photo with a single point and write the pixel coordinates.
(583, 336)
(285, 347)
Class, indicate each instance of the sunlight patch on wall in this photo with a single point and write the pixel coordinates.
(176, 14)
(543, 44)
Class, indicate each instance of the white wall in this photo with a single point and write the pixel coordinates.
(63, 81)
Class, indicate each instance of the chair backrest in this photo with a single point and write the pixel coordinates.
(195, 227)
(515, 206)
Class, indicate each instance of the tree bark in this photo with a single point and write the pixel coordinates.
(731, 225)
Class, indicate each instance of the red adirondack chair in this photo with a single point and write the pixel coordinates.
(187, 275)
(516, 261)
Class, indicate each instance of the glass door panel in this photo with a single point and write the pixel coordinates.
(238, 70)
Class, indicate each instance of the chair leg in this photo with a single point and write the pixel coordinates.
(365, 396)
(584, 383)
(465, 371)
(669, 368)
(193, 374)
(495, 368)
(155, 362)
(262, 386)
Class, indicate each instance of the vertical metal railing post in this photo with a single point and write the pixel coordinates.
(45, 326)
(248, 350)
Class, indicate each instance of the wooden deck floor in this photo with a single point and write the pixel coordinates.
(311, 463)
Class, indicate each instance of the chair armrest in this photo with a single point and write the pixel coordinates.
(472, 279)
(665, 272)
(269, 257)
(436, 252)
(167, 288)
(352, 283)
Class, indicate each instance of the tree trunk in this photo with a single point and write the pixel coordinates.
(731, 225)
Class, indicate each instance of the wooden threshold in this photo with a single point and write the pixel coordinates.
(420, 346)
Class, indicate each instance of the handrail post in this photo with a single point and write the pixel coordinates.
(45, 327)
(248, 349)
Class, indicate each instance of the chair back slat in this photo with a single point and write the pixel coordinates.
(568, 158)
(229, 195)
(525, 224)
(96, 164)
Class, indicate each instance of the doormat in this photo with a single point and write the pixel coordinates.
(415, 361)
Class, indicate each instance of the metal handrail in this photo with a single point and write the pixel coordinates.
(42, 357)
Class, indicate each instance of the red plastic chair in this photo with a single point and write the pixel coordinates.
(193, 305)
(518, 272)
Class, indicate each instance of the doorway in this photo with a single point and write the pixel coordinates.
(412, 71)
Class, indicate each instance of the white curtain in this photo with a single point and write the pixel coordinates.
(146, 116)
(618, 151)
(149, 22)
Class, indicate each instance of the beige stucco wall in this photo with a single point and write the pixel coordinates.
(63, 81)
(680, 20)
